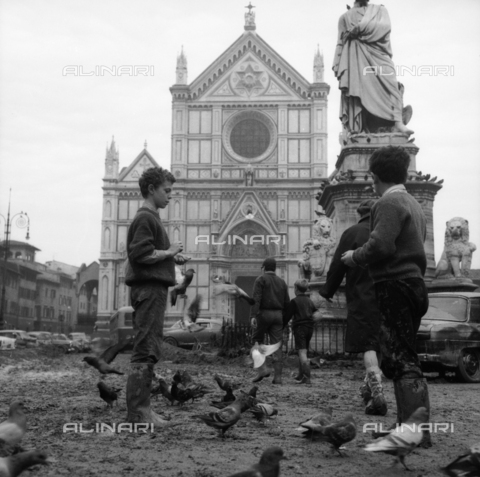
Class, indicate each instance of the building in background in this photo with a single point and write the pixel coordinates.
(249, 152)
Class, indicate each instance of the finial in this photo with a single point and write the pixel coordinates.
(145, 145)
(250, 18)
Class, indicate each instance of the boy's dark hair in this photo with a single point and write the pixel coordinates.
(155, 176)
(302, 285)
(390, 164)
(269, 264)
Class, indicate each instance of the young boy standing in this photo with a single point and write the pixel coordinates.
(301, 309)
(150, 271)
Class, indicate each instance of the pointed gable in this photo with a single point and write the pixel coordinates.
(249, 70)
(133, 172)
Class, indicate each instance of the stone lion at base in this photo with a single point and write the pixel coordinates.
(458, 250)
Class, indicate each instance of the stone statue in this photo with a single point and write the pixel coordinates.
(249, 175)
(458, 250)
(318, 251)
(371, 95)
(250, 18)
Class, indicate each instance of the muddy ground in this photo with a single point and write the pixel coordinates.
(61, 389)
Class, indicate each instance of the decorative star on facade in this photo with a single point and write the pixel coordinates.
(249, 79)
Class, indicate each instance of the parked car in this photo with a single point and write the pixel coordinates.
(82, 340)
(177, 335)
(67, 345)
(22, 338)
(449, 335)
(6, 343)
(42, 337)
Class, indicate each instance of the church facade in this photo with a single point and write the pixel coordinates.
(249, 152)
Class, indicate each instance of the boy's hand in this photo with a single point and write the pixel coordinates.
(176, 247)
(347, 259)
(181, 259)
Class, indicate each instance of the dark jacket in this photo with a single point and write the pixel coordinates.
(301, 309)
(395, 249)
(270, 293)
(363, 316)
(146, 234)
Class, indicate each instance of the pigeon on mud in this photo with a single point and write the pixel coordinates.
(14, 428)
(259, 353)
(102, 363)
(248, 402)
(263, 412)
(164, 389)
(224, 418)
(225, 384)
(233, 290)
(467, 465)
(108, 394)
(182, 282)
(269, 465)
(313, 425)
(337, 433)
(403, 439)
(14, 465)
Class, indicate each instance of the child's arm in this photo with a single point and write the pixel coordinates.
(289, 312)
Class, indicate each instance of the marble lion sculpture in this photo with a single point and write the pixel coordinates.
(458, 250)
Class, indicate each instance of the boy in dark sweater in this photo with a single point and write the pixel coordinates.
(301, 309)
(150, 271)
(396, 260)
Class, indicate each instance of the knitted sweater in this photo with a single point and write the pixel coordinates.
(301, 308)
(270, 293)
(146, 234)
(395, 248)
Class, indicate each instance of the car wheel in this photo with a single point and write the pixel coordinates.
(171, 341)
(469, 366)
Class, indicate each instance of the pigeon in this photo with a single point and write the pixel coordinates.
(403, 439)
(180, 393)
(467, 465)
(225, 384)
(229, 396)
(14, 465)
(248, 402)
(224, 418)
(263, 412)
(102, 362)
(337, 433)
(348, 7)
(108, 394)
(13, 429)
(253, 391)
(260, 352)
(269, 465)
(316, 423)
(233, 290)
(182, 282)
(163, 389)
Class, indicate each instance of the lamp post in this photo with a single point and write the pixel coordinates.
(22, 221)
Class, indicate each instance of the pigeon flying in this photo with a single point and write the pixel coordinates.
(183, 280)
(467, 465)
(102, 362)
(16, 464)
(13, 429)
(259, 353)
(108, 394)
(224, 418)
(403, 439)
(233, 290)
(269, 465)
(337, 433)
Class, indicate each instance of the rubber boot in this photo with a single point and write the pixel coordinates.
(377, 404)
(139, 385)
(306, 373)
(278, 367)
(298, 378)
(412, 393)
(262, 372)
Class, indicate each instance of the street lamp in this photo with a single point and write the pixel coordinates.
(22, 221)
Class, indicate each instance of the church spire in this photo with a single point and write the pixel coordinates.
(318, 67)
(111, 161)
(182, 72)
(250, 18)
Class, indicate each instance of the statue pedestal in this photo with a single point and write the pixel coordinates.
(349, 187)
(451, 285)
(335, 310)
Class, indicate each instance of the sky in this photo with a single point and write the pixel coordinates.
(54, 128)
